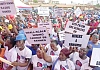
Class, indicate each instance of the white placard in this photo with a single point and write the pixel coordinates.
(76, 28)
(47, 25)
(58, 12)
(78, 12)
(43, 11)
(62, 35)
(37, 36)
(6, 61)
(7, 8)
(95, 59)
(75, 40)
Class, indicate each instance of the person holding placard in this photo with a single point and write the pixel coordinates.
(60, 62)
(38, 63)
(10, 52)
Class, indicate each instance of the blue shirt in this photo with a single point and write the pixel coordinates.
(89, 53)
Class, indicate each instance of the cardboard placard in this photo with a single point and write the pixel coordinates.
(58, 12)
(47, 25)
(7, 8)
(76, 28)
(75, 40)
(43, 11)
(62, 35)
(37, 36)
(95, 59)
(5, 61)
(78, 12)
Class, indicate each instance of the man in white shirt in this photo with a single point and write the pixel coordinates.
(24, 54)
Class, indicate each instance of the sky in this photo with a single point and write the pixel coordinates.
(76, 1)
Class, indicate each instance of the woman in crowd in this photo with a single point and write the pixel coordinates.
(60, 62)
(53, 48)
(37, 62)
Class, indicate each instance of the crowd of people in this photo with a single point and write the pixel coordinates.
(53, 56)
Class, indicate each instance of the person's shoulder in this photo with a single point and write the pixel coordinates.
(27, 50)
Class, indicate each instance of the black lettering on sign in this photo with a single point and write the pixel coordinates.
(8, 11)
(44, 37)
(71, 27)
(98, 63)
(5, 7)
(74, 31)
(73, 44)
(27, 32)
(36, 34)
(35, 37)
(76, 40)
(77, 36)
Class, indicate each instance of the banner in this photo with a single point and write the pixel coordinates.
(62, 35)
(37, 36)
(7, 8)
(76, 28)
(43, 11)
(76, 40)
(95, 59)
(48, 25)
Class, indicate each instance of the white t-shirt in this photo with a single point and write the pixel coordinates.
(62, 65)
(10, 55)
(52, 52)
(38, 64)
(78, 62)
(21, 55)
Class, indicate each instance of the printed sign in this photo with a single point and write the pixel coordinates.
(47, 25)
(76, 28)
(7, 8)
(62, 35)
(95, 59)
(58, 12)
(37, 36)
(43, 11)
(76, 40)
(78, 12)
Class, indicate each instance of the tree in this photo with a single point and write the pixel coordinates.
(35, 1)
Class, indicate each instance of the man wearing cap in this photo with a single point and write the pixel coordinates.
(23, 53)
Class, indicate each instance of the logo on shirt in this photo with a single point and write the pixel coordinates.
(62, 68)
(52, 53)
(18, 57)
(39, 64)
(78, 63)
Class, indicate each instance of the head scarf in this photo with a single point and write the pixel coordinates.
(66, 52)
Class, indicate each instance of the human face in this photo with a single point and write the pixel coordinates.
(94, 39)
(20, 44)
(82, 52)
(62, 57)
(53, 46)
(4, 32)
(39, 54)
(7, 42)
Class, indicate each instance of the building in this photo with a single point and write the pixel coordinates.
(39, 1)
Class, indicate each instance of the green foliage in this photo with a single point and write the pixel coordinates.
(35, 1)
